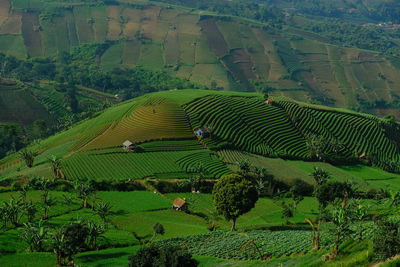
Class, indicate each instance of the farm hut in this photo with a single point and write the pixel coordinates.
(269, 101)
(127, 145)
(362, 156)
(179, 204)
(201, 132)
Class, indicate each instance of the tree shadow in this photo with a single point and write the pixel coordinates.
(93, 258)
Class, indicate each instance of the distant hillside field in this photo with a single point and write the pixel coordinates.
(287, 137)
(217, 51)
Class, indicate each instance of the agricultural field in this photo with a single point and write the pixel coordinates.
(225, 53)
(138, 185)
(134, 213)
(242, 126)
(15, 101)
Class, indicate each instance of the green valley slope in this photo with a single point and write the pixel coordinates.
(280, 134)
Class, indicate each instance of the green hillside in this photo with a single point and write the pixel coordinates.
(217, 51)
(161, 125)
(15, 101)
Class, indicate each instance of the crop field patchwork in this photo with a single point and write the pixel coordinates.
(32, 38)
(183, 43)
(84, 27)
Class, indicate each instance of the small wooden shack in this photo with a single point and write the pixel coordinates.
(201, 132)
(127, 145)
(179, 204)
(269, 101)
(362, 155)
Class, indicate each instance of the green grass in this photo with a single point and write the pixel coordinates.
(112, 57)
(176, 223)
(134, 201)
(113, 257)
(13, 45)
(35, 259)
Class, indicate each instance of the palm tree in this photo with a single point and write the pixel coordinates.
(28, 156)
(320, 176)
(316, 237)
(394, 198)
(94, 231)
(212, 219)
(244, 166)
(251, 243)
(34, 235)
(83, 190)
(30, 211)
(23, 194)
(198, 176)
(4, 215)
(56, 167)
(103, 210)
(13, 211)
(48, 201)
(68, 201)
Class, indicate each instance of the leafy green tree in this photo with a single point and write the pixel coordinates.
(166, 256)
(69, 240)
(28, 156)
(244, 167)
(12, 138)
(342, 219)
(386, 239)
(233, 196)
(158, 229)
(39, 129)
(328, 192)
(287, 210)
(317, 147)
(34, 235)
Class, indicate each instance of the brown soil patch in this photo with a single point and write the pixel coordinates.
(32, 39)
(215, 39)
(114, 27)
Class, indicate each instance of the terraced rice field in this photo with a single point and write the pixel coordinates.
(156, 119)
(358, 133)
(117, 164)
(248, 124)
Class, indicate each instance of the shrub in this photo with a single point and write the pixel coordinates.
(167, 256)
(301, 188)
(386, 240)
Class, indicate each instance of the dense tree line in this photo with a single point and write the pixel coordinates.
(247, 9)
(378, 11)
(79, 68)
(352, 35)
